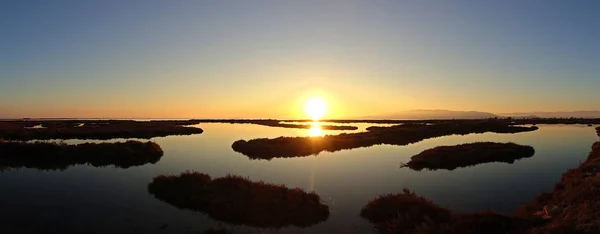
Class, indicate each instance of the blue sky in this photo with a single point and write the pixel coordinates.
(265, 58)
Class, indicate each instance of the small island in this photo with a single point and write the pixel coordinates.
(59, 156)
(94, 129)
(285, 147)
(464, 155)
(237, 200)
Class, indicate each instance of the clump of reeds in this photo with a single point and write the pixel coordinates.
(59, 156)
(452, 157)
(238, 200)
(408, 213)
(412, 210)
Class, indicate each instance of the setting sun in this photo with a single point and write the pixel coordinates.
(316, 108)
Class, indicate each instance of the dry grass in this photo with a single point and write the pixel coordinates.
(239, 201)
(452, 157)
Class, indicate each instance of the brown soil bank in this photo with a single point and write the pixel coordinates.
(572, 207)
(239, 201)
(54, 156)
(264, 148)
(93, 129)
(452, 157)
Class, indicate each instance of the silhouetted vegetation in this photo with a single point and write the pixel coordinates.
(265, 148)
(408, 213)
(598, 131)
(512, 121)
(239, 201)
(94, 129)
(452, 157)
(572, 207)
(216, 231)
(277, 123)
(56, 156)
(412, 209)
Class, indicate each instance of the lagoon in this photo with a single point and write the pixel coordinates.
(106, 199)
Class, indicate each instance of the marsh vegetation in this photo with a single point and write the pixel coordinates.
(464, 155)
(408, 213)
(237, 200)
(94, 129)
(570, 208)
(506, 120)
(60, 156)
(264, 148)
(279, 124)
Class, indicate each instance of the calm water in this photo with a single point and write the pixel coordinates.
(84, 199)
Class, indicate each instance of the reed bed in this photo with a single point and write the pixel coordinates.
(60, 156)
(464, 155)
(240, 201)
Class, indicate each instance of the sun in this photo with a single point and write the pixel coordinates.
(315, 108)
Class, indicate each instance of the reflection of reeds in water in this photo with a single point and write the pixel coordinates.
(93, 129)
(59, 156)
(452, 157)
(264, 148)
(237, 200)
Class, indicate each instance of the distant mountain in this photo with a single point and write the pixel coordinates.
(437, 114)
(560, 114)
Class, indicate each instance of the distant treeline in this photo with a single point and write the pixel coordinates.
(265, 148)
(57, 156)
(464, 155)
(94, 129)
(240, 201)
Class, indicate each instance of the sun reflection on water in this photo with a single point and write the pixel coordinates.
(316, 130)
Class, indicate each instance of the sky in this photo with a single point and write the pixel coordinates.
(265, 59)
